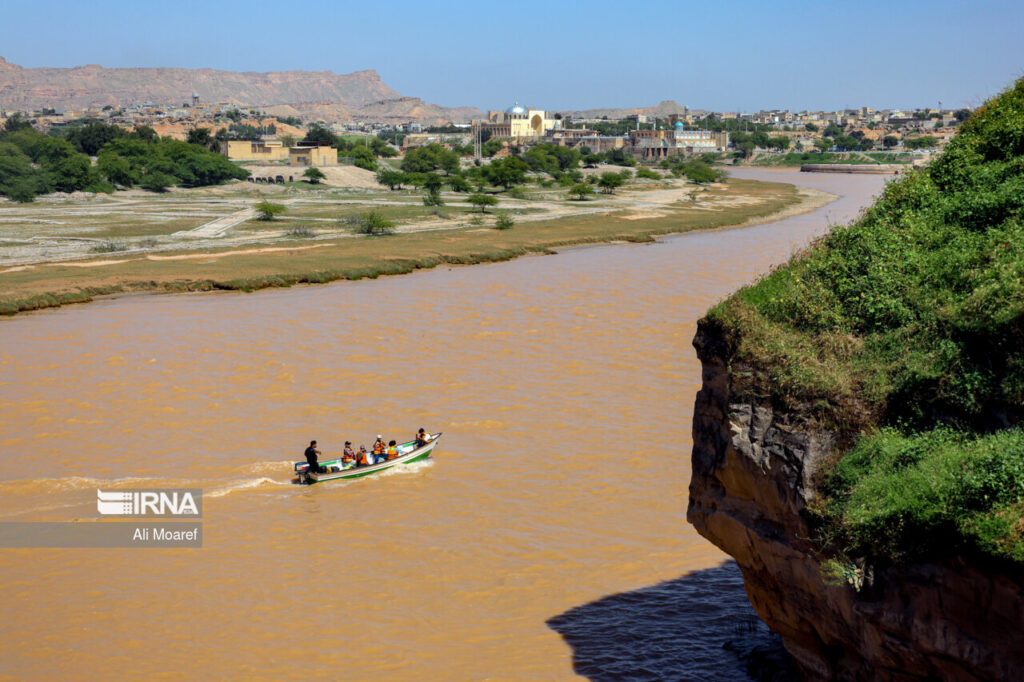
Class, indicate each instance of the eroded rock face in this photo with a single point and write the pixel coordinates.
(753, 479)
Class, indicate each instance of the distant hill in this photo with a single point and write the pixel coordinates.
(361, 94)
(662, 110)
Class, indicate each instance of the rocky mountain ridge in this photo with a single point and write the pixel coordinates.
(662, 110)
(340, 97)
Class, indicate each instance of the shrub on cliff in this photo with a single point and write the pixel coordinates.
(911, 318)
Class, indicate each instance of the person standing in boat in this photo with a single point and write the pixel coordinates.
(311, 458)
(379, 449)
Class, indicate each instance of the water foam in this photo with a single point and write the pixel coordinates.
(36, 486)
(244, 484)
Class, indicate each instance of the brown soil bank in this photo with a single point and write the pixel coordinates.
(317, 261)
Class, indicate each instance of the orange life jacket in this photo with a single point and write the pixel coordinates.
(378, 448)
(347, 456)
(362, 459)
(392, 452)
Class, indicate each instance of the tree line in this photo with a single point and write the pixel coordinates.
(32, 163)
(433, 167)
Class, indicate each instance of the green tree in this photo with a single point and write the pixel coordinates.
(504, 222)
(810, 127)
(962, 115)
(609, 182)
(144, 133)
(701, 173)
(243, 131)
(620, 157)
(268, 211)
(433, 198)
(16, 122)
(482, 201)
(581, 191)
(320, 135)
(832, 130)
(69, 173)
(19, 180)
(430, 158)
(889, 141)
(506, 172)
(433, 182)
(375, 224)
(925, 142)
(91, 137)
(156, 181)
(363, 157)
(458, 183)
(491, 147)
(381, 148)
(203, 138)
(116, 169)
(390, 178)
(315, 175)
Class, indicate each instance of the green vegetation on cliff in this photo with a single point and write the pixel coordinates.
(904, 331)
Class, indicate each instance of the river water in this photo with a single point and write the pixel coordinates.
(545, 539)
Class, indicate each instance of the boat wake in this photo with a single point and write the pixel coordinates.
(402, 469)
(267, 468)
(245, 484)
(48, 486)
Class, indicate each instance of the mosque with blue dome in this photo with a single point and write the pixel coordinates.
(519, 122)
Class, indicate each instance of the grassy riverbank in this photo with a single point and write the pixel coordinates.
(297, 261)
(902, 333)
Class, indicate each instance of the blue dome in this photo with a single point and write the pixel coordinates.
(679, 124)
(515, 109)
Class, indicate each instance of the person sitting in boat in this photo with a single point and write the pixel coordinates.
(392, 450)
(347, 455)
(379, 449)
(311, 458)
(422, 438)
(363, 458)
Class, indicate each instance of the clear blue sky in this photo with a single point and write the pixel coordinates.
(727, 55)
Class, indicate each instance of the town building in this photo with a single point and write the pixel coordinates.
(517, 123)
(256, 150)
(309, 155)
(659, 144)
(274, 151)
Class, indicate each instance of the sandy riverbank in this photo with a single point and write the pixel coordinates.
(638, 215)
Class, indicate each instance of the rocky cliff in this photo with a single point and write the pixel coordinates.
(361, 94)
(753, 483)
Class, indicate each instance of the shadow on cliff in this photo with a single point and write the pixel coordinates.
(697, 627)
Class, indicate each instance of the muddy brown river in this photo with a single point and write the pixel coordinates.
(545, 539)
